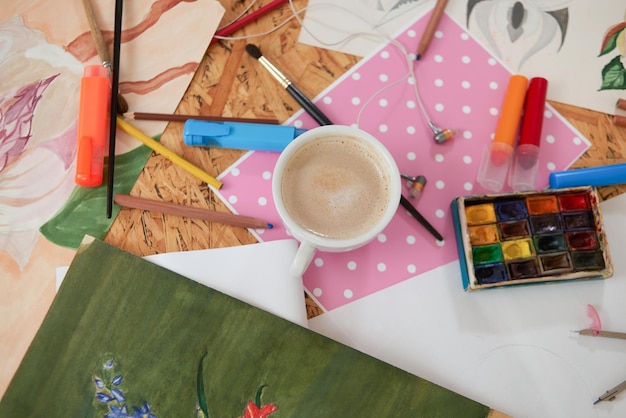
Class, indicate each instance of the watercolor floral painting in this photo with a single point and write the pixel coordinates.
(43, 214)
(110, 395)
(37, 143)
(515, 31)
(42, 63)
(614, 45)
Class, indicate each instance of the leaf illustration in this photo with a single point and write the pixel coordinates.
(17, 110)
(84, 212)
(257, 398)
(610, 38)
(200, 388)
(614, 75)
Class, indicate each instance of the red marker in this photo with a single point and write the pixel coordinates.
(524, 172)
(93, 125)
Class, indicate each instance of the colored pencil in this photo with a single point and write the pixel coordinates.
(115, 67)
(304, 101)
(240, 23)
(418, 216)
(191, 212)
(619, 120)
(431, 27)
(169, 154)
(183, 118)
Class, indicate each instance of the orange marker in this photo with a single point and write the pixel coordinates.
(510, 117)
(495, 163)
(93, 125)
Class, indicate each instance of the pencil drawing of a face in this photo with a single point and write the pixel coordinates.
(517, 30)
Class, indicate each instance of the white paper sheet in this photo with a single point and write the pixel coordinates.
(560, 40)
(257, 274)
(512, 349)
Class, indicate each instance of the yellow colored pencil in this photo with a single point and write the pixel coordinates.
(167, 153)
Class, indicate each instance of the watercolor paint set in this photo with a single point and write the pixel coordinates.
(530, 237)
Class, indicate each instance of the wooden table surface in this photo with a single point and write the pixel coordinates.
(231, 83)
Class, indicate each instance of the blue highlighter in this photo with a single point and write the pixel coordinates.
(607, 175)
(239, 135)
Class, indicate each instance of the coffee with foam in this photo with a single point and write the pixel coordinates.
(336, 187)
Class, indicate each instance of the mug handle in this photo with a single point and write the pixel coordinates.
(303, 258)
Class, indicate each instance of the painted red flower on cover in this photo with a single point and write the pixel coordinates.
(253, 411)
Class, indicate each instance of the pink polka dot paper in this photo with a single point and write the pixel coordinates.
(462, 87)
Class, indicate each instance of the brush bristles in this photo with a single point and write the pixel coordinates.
(254, 51)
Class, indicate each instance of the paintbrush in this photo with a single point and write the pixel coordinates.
(420, 218)
(115, 81)
(304, 101)
(103, 53)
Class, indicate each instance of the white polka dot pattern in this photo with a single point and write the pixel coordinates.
(462, 87)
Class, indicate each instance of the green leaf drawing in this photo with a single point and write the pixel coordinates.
(610, 42)
(85, 211)
(200, 388)
(614, 75)
(257, 398)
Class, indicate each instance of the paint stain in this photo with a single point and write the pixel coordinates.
(483, 234)
(555, 263)
(520, 248)
(577, 201)
(544, 224)
(578, 220)
(588, 260)
(480, 214)
(550, 243)
(493, 273)
(487, 254)
(524, 269)
(582, 240)
(514, 229)
(511, 211)
(538, 205)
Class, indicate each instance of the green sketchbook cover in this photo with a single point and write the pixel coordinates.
(126, 338)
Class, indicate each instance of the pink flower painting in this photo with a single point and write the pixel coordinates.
(37, 137)
(44, 48)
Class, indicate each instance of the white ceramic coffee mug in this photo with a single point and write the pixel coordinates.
(335, 188)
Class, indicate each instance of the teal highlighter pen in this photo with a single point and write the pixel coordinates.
(239, 135)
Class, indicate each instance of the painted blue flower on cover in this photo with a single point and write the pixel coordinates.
(109, 393)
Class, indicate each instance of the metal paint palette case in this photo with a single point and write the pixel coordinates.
(530, 237)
